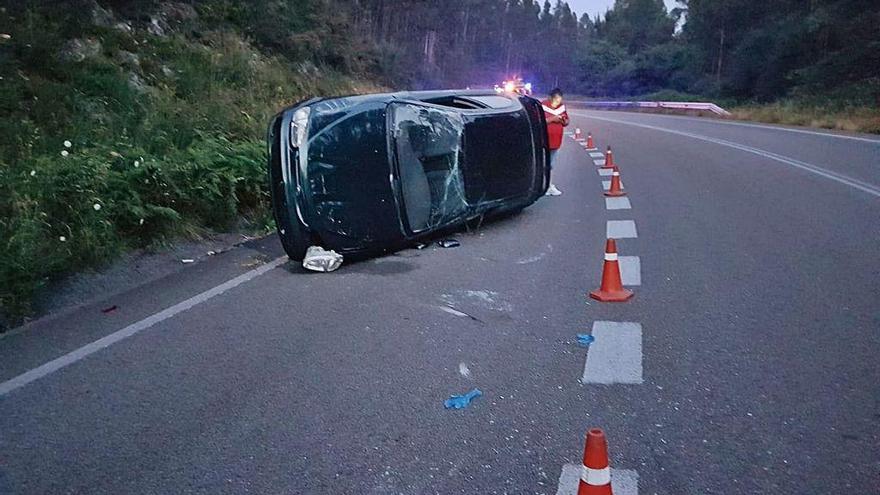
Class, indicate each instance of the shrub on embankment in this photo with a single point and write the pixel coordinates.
(131, 128)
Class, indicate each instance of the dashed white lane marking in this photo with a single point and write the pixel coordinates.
(605, 172)
(621, 229)
(599, 162)
(623, 481)
(619, 203)
(606, 185)
(107, 341)
(616, 354)
(630, 270)
(597, 154)
(822, 172)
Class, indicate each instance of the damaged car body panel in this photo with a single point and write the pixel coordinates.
(368, 174)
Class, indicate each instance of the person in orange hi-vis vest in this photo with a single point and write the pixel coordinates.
(557, 119)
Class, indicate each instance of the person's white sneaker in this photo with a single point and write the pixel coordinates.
(553, 191)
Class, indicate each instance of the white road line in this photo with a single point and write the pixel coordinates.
(616, 354)
(764, 126)
(620, 229)
(606, 185)
(630, 270)
(596, 154)
(104, 342)
(623, 481)
(619, 203)
(599, 162)
(820, 171)
(605, 172)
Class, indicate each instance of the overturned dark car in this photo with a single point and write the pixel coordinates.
(363, 175)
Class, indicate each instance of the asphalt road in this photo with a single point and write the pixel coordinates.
(759, 311)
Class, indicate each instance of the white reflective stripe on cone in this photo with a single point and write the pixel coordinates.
(610, 256)
(596, 477)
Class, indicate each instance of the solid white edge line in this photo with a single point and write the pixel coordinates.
(828, 174)
(108, 340)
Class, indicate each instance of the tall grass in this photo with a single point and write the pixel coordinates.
(116, 152)
(828, 116)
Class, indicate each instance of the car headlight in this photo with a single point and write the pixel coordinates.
(299, 126)
(509, 87)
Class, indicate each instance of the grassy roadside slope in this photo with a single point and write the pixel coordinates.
(852, 118)
(852, 113)
(129, 129)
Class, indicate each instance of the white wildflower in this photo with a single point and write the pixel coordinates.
(141, 222)
(33, 173)
(67, 144)
(64, 153)
(62, 238)
(97, 206)
(137, 164)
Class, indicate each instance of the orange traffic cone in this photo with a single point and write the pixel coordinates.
(577, 134)
(609, 159)
(596, 476)
(590, 145)
(611, 289)
(615, 189)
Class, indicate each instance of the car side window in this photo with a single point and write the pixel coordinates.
(428, 144)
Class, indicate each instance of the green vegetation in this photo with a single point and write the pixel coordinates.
(786, 60)
(130, 136)
(129, 123)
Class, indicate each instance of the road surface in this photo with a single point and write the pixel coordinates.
(746, 363)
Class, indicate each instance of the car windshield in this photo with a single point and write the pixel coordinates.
(428, 143)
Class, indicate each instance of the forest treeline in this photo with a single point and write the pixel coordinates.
(743, 49)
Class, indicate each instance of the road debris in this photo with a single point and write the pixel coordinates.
(421, 246)
(110, 309)
(453, 311)
(464, 370)
(320, 260)
(461, 401)
(448, 243)
(585, 339)
(187, 261)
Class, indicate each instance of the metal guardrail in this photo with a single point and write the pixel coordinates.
(674, 105)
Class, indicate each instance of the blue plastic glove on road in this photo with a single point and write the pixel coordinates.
(461, 401)
(585, 339)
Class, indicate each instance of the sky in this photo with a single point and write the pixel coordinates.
(594, 7)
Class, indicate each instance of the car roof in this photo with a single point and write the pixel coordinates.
(400, 95)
